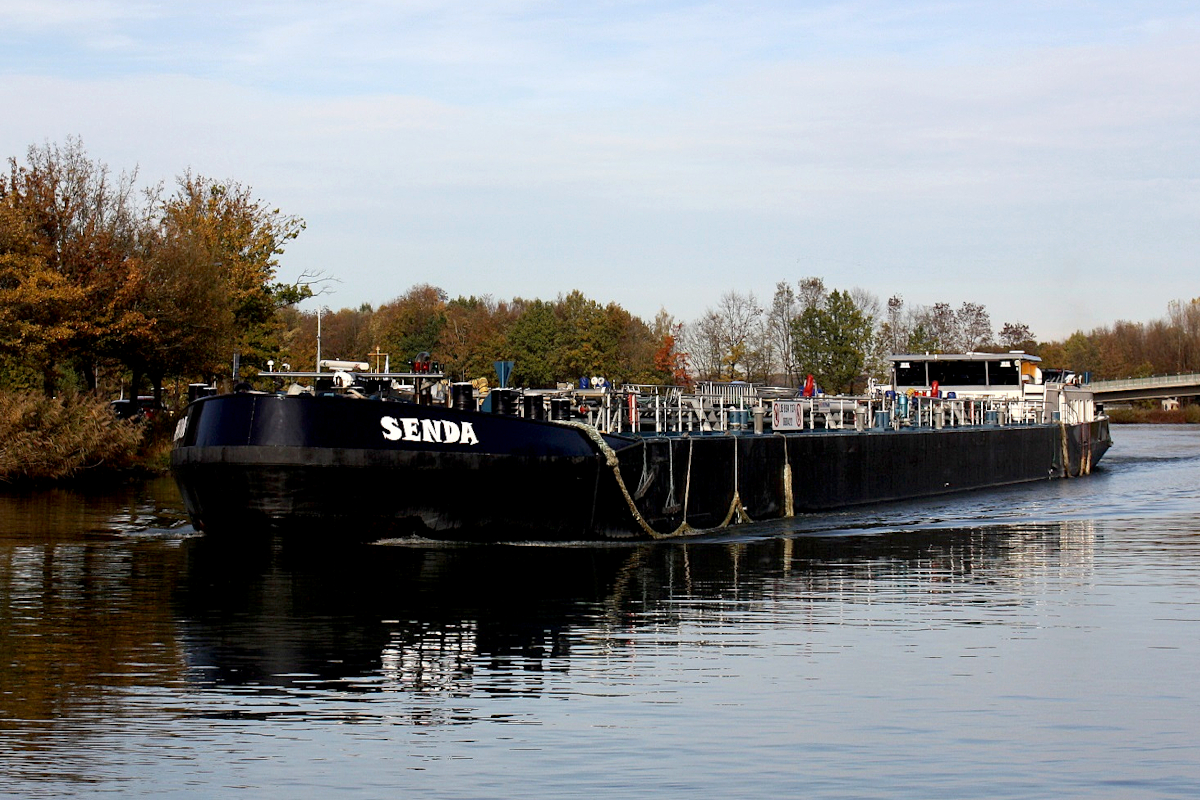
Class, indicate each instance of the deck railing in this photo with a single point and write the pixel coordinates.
(654, 410)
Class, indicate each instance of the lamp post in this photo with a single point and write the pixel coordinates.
(320, 311)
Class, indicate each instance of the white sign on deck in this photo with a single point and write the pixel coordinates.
(786, 415)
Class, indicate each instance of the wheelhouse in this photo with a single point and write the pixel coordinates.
(967, 374)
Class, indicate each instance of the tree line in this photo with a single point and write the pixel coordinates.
(839, 336)
(552, 341)
(1168, 345)
(103, 286)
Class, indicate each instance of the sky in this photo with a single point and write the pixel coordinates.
(1041, 158)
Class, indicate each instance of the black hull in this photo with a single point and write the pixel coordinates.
(338, 468)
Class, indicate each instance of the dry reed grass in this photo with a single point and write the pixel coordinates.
(54, 438)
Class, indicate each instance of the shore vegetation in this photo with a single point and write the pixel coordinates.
(54, 438)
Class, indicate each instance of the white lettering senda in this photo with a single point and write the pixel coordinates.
(433, 431)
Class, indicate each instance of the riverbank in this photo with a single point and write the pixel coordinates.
(1187, 415)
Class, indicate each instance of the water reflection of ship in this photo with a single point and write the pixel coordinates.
(422, 619)
(285, 614)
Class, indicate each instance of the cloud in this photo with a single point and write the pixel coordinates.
(66, 15)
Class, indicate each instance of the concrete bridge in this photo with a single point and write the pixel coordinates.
(1146, 388)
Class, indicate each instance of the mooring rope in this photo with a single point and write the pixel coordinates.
(687, 481)
(644, 481)
(736, 506)
(670, 501)
(1065, 451)
(789, 504)
(1085, 461)
(611, 460)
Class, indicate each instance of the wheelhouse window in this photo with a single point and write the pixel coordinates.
(910, 373)
(959, 373)
(1005, 373)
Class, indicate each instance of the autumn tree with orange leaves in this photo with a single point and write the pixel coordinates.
(96, 277)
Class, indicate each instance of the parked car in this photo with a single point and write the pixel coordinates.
(144, 407)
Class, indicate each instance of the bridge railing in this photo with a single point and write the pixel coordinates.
(1156, 381)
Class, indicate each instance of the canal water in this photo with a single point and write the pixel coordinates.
(1033, 642)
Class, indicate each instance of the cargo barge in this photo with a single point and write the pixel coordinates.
(370, 455)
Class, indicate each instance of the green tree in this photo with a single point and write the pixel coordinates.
(921, 340)
(1081, 352)
(585, 341)
(412, 323)
(532, 341)
(831, 341)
